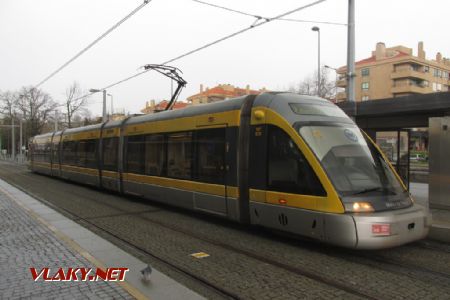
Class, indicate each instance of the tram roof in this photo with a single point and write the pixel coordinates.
(264, 99)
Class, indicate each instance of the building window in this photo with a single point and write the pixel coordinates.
(365, 72)
(437, 73)
(365, 98)
(365, 85)
(434, 87)
(288, 170)
(426, 69)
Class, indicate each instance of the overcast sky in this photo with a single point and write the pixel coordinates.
(39, 36)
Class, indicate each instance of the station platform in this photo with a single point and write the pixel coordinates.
(440, 229)
(35, 236)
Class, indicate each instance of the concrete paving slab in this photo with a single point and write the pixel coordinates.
(63, 223)
(53, 216)
(101, 251)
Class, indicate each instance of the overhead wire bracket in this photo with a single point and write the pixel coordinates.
(173, 74)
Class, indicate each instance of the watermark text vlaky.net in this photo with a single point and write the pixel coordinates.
(79, 274)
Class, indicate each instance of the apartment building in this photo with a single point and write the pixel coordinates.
(396, 72)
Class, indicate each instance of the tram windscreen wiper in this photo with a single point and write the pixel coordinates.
(363, 191)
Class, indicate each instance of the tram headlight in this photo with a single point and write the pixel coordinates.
(359, 207)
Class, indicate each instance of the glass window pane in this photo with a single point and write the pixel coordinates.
(80, 154)
(154, 155)
(288, 170)
(211, 155)
(90, 154)
(317, 109)
(352, 162)
(69, 152)
(55, 152)
(179, 155)
(135, 154)
(110, 148)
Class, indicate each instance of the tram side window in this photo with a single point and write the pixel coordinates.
(69, 151)
(39, 152)
(135, 154)
(47, 152)
(55, 153)
(211, 156)
(288, 169)
(110, 148)
(90, 154)
(179, 155)
(155, 156)
(80, 154)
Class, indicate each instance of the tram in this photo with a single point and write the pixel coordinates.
(285, 161)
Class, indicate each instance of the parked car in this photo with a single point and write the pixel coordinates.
(417, 157)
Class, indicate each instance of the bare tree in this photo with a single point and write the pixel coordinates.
(73, 104)
(8, 100)
(309, 85)
(35, 106)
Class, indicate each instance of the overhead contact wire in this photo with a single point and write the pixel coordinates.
(254, 25)
(93, 43)
(226, 8)
(260, 17)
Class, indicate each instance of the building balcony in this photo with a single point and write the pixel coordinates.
(407, 88)
(341, 83)
(409, 74)
(341, 96)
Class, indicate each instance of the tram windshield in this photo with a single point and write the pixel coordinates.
(351, 161)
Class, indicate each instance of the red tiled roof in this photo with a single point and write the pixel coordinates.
(219, 90)
(373, 59)
(163, 104)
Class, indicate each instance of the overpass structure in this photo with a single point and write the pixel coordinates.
(398, 113)
(395, 117)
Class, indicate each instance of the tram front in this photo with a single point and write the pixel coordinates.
(383, 211)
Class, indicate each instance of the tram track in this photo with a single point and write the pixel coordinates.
(206, 283)
(429, 245)
(370, 260)
(394, 266)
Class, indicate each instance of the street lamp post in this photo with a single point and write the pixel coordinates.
(104, 119)
(351, 51)
(112, 107)
(13, 138)
(56, 120)
(20, 144)
(315, 28)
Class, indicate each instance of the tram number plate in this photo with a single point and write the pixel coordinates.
(381, 229)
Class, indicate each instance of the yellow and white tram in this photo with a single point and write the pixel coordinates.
(284, 161)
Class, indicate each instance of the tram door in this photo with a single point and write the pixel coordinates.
(395, 145)
(211, 167)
